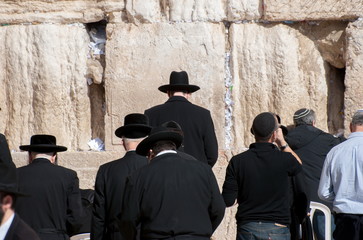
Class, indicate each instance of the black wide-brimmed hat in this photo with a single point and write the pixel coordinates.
(179, 81)
(173, 126)
(8, 177)
(43, 143)
(136, 125)
(160, 133)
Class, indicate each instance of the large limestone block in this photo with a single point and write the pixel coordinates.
(354, 71)
(141, 58)
(300, 10)
(244, 10)
(330, 39)
(43, 84)
(176, 10)
(274, 68)
(65, 11)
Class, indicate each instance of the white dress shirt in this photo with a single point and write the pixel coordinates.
(5, 227)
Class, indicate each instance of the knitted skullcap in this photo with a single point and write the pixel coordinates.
(264, 124)
(301, 113)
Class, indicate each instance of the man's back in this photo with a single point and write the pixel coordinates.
(199, 136)
(261, 177)
(188, 201)
(343, 172)
(110, 184)
(312, 145)
(54, 203)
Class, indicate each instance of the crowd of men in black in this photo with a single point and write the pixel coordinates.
(164, 186)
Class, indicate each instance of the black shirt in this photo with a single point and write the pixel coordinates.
(259, 180)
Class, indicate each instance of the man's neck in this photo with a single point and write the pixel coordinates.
(8, 214)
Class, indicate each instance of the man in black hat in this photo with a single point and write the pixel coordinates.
(12, 227)
(196, 122)
(258, 180)
(172, 197)
(111, 178)
(312, 145)
(54, 206)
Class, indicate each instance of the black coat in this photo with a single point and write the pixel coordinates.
(172, 196)
(53, 207)
(311, 145)
(196, 122)
(110, 184)
(19, 230)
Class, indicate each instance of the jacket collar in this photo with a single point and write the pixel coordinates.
(177, 99)
(41, 160)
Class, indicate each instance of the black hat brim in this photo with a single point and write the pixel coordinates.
(11, 190)
(133, 131)
(179, 87)
(43, 148)
(146, 144)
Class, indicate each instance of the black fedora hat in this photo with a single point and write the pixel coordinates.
(43, 143)
(136, 125)
(160, 133)
(179, 81)
(8, 177)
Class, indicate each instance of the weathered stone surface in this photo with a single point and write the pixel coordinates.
(65, 11)
(354, 69)
(44, 89)
(301, 10)
(275, 68)
(141, 58)
(329, 37)
(176, 10)
(244, 10)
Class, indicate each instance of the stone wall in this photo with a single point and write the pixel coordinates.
(74, 69)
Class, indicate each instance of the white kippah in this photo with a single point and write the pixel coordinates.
(301, 113)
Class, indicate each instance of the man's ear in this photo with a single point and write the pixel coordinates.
(150, 155)
(314, 123)
(7, 202)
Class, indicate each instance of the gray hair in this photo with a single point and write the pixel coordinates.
(357, 118)
(304, 117)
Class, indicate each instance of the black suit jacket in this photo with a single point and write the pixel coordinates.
(171, 196)
(196, 122)
(110, 184)
(54, 204)
(19, 230)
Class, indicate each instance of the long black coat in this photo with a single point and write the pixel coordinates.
(196, 122)
(19, 230)
(312, 145)
(54, 206)
(110, 184)
(172, 196)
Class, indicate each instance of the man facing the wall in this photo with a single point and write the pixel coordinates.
(341, 182)
(111, 178)
(258, 180)
(53, 208)
(196, 122)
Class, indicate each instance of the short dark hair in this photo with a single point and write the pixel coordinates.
(160, 146)
(304, 116)
(264, 125)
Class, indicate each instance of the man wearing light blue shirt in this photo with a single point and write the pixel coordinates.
(341, 182)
